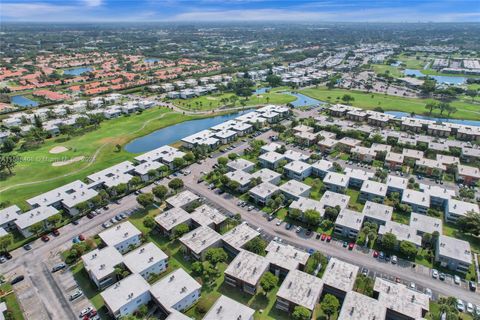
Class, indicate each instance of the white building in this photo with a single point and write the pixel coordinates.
(146, 260)
(123, 236)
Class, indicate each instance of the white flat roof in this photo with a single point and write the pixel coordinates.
(469, 171)
(240, 235)
(264, 190)
(101, 263)
(295, 188)
(301, 289)
(182, 199)
(394, 157)
(293, 155)
(70, 194)
(200, 239)
(171, 218)
(303, 204)
(359, 174)
(241, 164)
(119, 233)
(271, 157)
(403, 232)
(454, 249)
(114, 175)
(206, 215)
(377, 211)
(228, 309)
(266, 175)
(272, 146)
(125, 291)
(416, 197)
(29, 218)
(412, 153)
(437, 191)
(333, 199)
(145, 167)
(337, 179)
(350, 219)
(374, 187)
(144, 257)
(285, 256)
(322, 165)
(297, 166)
(357, 306)
(174, 287)
(340, 275)
(397, 182)
(399, 298)
(424, 223)
(9, 214)
(247, 267)
(461, 208)
(242, 177)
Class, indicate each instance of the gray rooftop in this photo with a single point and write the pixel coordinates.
(301, 289)
(144, 257)
(350, 219)
(226, 308)
(119, 233)
(200, 239)
(340, 275)
(171, 218)
(377, 211)
(247, 267)
(357, 306)
(454, 249)
(240, 235)
(182, 199)
(125, 291)
(337, 179)
(285, 256)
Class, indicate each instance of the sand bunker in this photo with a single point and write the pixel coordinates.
(59, 149)
(64, 163)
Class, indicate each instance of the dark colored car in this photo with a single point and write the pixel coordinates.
(55, 232)
(17, 280)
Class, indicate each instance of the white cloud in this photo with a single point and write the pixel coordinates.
(28, 10)
(93, 3)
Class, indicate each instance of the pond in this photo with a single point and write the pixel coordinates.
(176, 132)
(23, 101)
(151, 60)
(77, 71)
(303, 100)
(399, 114)
(262, 90)
(439, 79)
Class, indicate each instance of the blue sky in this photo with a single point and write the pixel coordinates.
(241, 10)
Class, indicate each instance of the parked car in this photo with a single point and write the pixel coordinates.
(442, 276)
(365, 271)
(75, 240)
(472, 286)
(413, 285)
(328, 238)
(106, 225)
(75, 222)
(394, 260)
(456, 279)
(3, 259)
(17, 279)
(308, 232)
(434, 273)
(76, 294)
(345, 244)
(460, 305)
(85, 311)
(375, 254)
(81, 237)
(351, 245)
(250, 208)
(7, 255)
(298, 229)
(288, 226)
(429, 293)
(59, 267)
(270, 217)
(279, 223)
(470, 308)
(90, 215)
(55, 232)
(318, 236)
(27, 247)
(45, 238)
(381, 255)
(323, 237)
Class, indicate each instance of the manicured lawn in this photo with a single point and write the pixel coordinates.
(382, 68)
(450, 230)
(401, 217)
(316, 184)
(354, 204)
(37, 169)
(13, 307)
(214, 101)
(371, 101)
(434, 313)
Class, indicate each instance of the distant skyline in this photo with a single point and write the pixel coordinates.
(240, 10)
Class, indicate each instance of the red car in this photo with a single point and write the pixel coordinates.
(81, 237)
(45, 238)
(351, 245)
(329, 238)
(55, 232)
(323, 237)
(375, 254)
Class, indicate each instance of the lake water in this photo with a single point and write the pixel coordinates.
(24, 102)
(77, 71)
(262, 90)
(399, 114)
(176, 132)
(303, 100)
(151, 60)
(439, 79)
